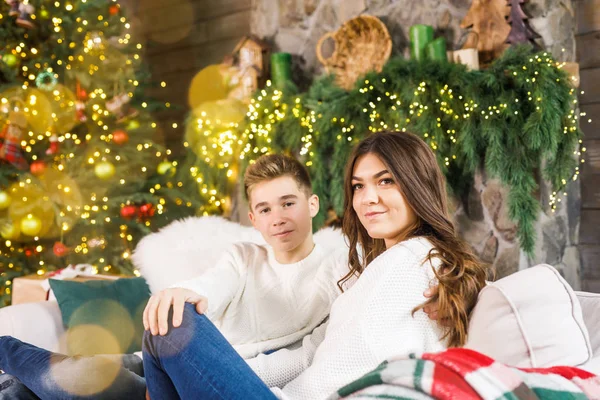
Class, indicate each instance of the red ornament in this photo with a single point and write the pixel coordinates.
(37, 168)
(54, 146)
(60, 250)
(120, 137)
(129, 212)
(147, 210)
(28, 252)
(113, 9)
(80, 92)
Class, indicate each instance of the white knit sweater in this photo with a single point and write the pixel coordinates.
(368, 324)
(259, 304)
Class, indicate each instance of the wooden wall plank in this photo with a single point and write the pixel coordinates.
(217, 27)
(156, 21)
(230, 26)
(587, 16)
(590, 85)
(591, 130)
(591, 285)
(590, 191)
(592, 157)
(191, 59)
(204, 10)
(590, 264)
(159, 16)
(589, 232)
(588, 49)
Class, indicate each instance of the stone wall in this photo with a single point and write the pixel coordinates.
(295, 26)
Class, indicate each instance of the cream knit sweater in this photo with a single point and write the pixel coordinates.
(259, 304)
(368, 323)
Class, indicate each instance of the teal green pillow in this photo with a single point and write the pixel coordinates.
(102, 317)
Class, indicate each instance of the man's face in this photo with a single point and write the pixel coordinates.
(282, 213)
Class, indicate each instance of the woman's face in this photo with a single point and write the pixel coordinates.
(378, 201)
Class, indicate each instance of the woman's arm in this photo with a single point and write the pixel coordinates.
(279, 368)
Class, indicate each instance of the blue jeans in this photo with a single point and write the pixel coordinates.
(32, 372)
(194, 361)
(12, 389)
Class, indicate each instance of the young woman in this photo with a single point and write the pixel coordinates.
(401, 243)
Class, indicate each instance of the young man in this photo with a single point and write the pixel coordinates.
(262, 298)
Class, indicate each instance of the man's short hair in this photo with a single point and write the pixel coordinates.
(272, 166)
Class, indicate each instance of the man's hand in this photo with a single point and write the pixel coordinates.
(157, 309)
(432, 309)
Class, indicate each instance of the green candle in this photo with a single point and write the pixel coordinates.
(436, 50)
(420, 35)
(281, 69)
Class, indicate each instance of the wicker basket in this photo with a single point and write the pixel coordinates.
(362, 44)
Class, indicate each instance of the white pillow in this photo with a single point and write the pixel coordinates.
(530, 319)
(590, 307)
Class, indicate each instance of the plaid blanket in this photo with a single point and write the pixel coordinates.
(466, 374)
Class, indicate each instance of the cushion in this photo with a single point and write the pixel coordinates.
(530, 319)
(102, 317)
(590, 307)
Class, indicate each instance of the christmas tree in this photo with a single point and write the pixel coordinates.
(81, 180)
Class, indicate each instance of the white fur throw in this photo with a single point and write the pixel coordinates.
(184, 249)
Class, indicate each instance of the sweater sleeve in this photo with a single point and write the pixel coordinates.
(404, 277)
(218, 284)
(279, 368)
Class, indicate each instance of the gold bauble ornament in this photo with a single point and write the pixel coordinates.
(5, 200)
(10, 59)
(166, 166)
(43, 197)
(226, 112)
(207, 85)
(33, 102)
(104, 170)
(31, 225)
(9, 231)
(32, 199)
(63, 103)
(133, 125)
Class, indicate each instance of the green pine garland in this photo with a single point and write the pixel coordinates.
(515, 118)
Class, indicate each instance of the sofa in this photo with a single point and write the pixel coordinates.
(529, 319)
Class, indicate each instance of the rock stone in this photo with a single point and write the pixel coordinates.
(473, 232)
(265, 18)
(554, 237)
(569, 267)
(461, 4)
(290, 40)
(291, 13)
(494, 197)
(490, 249)
(347, 9)
(473, 205)
(310, 6)
(507, 262)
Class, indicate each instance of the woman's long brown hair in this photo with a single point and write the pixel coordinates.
(413, 165)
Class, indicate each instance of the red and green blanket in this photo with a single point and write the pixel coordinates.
(468, 375)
